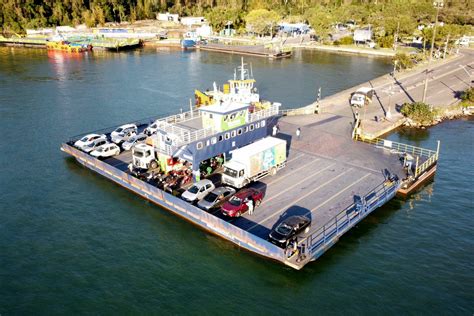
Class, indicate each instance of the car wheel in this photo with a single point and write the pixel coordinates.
(153, 164)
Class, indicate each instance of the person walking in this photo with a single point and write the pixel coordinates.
(298, 133)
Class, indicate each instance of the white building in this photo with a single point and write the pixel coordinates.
(191, 20)
(363, 35)
(168, 17)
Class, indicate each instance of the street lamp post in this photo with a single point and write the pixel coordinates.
(438, 5)
(468, 74)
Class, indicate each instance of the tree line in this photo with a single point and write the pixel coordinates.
(390, 17)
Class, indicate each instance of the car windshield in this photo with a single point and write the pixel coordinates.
(132, 139)
(284, 229)
(211, 197)
(100, 149)
(138, 154)
(194, 189)
(230, 172)
(91, 145)
(84, 139)
(119, 130)
(235, 201)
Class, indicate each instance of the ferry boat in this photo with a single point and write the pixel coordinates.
(67, 46)
(225, 127)
(240, 89)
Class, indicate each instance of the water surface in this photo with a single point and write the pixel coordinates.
(73, 242)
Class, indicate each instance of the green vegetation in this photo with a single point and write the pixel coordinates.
(262, 21)
(467, 98)
(388, 18)
(348, 40)
(419, 112)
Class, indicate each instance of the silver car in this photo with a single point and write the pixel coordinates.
(216, 198)
(198, 191)
(136, 139)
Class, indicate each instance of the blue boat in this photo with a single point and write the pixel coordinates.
(190, 40)
(188, 43)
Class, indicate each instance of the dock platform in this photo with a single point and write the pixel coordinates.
(249, 50)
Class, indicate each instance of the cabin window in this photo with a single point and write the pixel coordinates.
(199, 145)
(233, 133)
(208, 142)
(213, 140)
(246, 129)
(262, 123)
(251, 127)
(210, 115)
(257, 125)
(239, 131)
(227, 135)
(221, 138)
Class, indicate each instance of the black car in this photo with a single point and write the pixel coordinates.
(287, 229)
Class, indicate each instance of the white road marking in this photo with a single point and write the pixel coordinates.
(285, 176)
(352, 184)
(292, 186)
(302, 197)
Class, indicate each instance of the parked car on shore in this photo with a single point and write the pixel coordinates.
(88, 139)
(362, 97)
(123, 133)
(105, 151)
(245, 200)
(216, 198)
(286, 231)
(198, 191)
(132, 141)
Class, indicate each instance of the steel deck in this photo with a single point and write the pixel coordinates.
(323, 174)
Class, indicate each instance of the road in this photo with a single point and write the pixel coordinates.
(446, 80)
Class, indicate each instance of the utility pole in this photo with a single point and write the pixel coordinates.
(446, 47)
(438, 5)
(395, 40)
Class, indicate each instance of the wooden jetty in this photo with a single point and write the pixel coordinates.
(249, 50)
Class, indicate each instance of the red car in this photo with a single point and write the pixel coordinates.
(243, 201)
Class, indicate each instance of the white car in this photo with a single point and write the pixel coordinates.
(362, 97)
(107, 150)
(151, 129)
(88, 139)
(94, 145)
(198, 191)
(123, 132)
(136, 139)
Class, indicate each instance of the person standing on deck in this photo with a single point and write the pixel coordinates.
(298, 133)
(274, 130)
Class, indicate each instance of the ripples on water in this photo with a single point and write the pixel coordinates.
(73, 242)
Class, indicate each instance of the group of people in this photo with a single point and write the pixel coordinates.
(276, 130)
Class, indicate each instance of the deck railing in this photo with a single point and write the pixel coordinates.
(429, 156)
(317, 242)
(203, 219)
